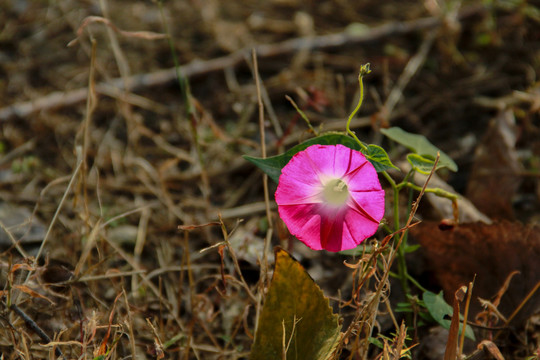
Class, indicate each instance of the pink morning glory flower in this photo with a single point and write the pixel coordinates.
(330, 197)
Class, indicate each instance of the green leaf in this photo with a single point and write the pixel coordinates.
(378, 343)
(420, 145)
(296, 304)
(173, 340)
(272, 165)
(411, 248)
(439, 309)
(379, 158)
(403, 307)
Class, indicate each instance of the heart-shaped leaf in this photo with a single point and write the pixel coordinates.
(296, 321)
(379, 158)
(272, 165)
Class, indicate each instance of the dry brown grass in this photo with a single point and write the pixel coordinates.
(107, 164)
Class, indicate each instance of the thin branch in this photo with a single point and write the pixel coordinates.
(115, 87)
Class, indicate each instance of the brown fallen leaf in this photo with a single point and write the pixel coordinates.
(492, 252)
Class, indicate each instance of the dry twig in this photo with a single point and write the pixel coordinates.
(116, 87)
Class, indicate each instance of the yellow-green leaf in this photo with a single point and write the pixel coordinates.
(296, 319)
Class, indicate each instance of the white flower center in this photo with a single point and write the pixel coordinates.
(335, 192)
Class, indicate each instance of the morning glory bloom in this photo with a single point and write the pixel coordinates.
(330, 197)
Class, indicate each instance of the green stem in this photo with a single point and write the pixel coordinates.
(410, 278)
(364, 70)
(395, 190)
(409, 209)
(387, 228)
(437, 191)
(403, 274)
(408, 176)
(402, 265)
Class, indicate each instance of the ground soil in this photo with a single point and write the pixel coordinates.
(101, 159)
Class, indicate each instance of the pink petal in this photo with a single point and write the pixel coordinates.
(363, 179)
(331, 233)
(304, 222)
(314, 227)
(347, 160)
(359, 228)
(334, 160)
(322, 157)
(370, 204)
(299, 182)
